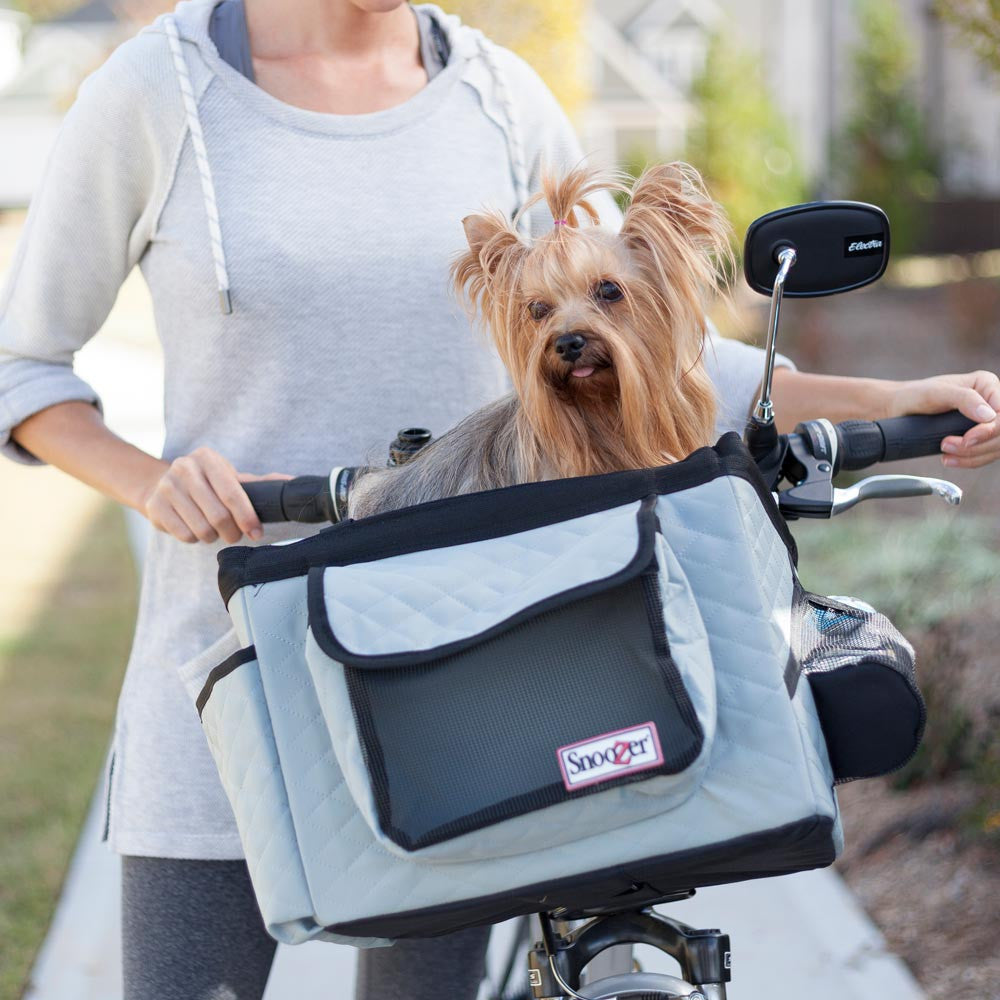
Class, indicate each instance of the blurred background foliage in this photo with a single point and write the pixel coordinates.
(739, 140)
(43, 10)
(885, 155)
(545, 33)
(978, 24)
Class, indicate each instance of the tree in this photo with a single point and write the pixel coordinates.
(548, 34)
(978, 24)
(884, 156)
(740, 141)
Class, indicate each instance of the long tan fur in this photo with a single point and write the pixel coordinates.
(648, 401)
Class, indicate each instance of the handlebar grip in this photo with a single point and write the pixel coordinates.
(863, 442)
(265, 497)
(305, 499)
(912, 437)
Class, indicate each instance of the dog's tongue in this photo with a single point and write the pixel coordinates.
(582, 372)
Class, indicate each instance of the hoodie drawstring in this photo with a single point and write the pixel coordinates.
(515, 142)
(204, 170)
(515, 148)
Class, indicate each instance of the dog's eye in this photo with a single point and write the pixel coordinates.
(608, 291)
(539, 310)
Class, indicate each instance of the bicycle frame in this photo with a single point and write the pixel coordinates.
(565, 948)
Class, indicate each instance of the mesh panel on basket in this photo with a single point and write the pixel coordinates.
(833, 634)
(472, 739)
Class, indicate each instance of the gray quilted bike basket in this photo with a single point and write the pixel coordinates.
(570, 694)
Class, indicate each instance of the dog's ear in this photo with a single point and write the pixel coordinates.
(480, 229)
(494, 251)
(670, 205)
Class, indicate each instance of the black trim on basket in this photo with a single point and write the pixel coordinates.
(490, 514)
(656, 616)
(799, 846)
(224, 669)
(319, 621)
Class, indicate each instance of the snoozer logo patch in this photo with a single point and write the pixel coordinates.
(609, 756)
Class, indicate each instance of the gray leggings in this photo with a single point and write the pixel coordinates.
(191, 930)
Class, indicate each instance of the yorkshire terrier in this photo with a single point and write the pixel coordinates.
(602, 334)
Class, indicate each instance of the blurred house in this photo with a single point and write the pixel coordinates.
(646, 53)
(41, 65)
(644, 56)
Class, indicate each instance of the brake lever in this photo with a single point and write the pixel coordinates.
(887, 487)
(810, 459)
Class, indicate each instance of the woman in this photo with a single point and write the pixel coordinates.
(291, 186)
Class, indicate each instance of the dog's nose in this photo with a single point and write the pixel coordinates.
(570, 346)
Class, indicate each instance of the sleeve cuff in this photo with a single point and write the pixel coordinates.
(26, 387)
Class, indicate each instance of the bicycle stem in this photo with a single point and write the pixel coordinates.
(764, 411)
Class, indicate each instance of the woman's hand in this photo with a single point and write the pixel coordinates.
(976, 395)
(802, 396)
(198, 498)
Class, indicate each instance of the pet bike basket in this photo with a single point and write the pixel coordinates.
(580, 693)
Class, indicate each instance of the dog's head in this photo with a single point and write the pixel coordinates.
(602, 332)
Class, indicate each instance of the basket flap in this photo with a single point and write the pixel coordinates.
(418, 606)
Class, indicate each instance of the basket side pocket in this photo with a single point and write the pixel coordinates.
(862, 674)
(237, 725)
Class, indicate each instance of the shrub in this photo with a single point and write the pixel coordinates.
(884, 156)
(740, 142)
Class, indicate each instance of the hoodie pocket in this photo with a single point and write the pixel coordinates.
(194, 673)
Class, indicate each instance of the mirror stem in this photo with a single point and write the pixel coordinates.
(764, 411)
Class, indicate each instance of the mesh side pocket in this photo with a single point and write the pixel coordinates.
(862, 673)
(471, 739)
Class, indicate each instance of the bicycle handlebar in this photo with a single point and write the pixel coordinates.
(863, 442)
(860, 443)
(305, 499)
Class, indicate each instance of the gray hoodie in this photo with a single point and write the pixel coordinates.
(298, 265)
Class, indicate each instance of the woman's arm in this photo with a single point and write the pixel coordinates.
(89, 223)
(73, 437)
(802, 396)
(90, 220)
(197, 497)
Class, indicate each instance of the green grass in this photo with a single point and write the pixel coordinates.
(59, 683)
(935, 576)
(918, 571)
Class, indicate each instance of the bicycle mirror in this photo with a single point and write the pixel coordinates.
(839, 246)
